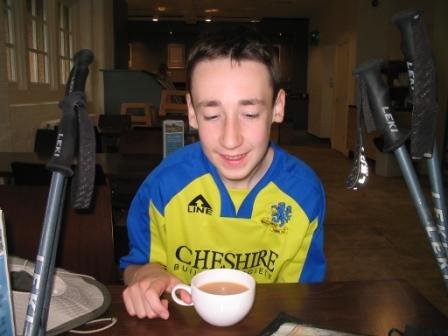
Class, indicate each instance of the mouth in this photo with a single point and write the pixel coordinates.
(233, 159)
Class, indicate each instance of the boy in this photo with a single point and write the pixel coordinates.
(234, 200)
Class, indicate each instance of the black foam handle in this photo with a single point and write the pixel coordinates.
(378, 96)
(78, 75)
(64, 151)
(68, 127)
(405, 21)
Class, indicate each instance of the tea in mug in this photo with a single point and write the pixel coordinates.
(223, 288)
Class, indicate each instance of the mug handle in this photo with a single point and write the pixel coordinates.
(176, 298)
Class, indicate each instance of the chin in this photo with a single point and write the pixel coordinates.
(235, 177)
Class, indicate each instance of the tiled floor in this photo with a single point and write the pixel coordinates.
(372, 233)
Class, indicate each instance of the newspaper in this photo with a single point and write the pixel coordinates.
(294, 329)
(287, 325)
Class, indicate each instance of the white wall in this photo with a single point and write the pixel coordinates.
(336, 24)
(25, 106)
(370, 34)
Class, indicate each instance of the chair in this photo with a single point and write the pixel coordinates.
(45, 141)
(98, 140)
(173, 102)
(148, 140)
(173, 106)
(116, 123)
(86, 243)
(142, 114)
(34, 174)
(110, 128)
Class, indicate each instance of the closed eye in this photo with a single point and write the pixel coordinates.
(251, 115)
(210, 117)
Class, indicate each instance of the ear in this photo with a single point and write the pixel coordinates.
(192, 120)
(279, 107)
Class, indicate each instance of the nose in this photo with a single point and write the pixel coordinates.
(231, 136)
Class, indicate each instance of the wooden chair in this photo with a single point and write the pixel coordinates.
(148, 140)
(173, 106)
(27, 173)
(114, 123)
(173, 102)
(110, 128)
(86, 243)
(34, 174)
(142, 114)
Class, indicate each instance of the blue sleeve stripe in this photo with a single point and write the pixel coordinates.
(138, 232)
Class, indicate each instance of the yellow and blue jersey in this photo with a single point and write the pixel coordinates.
(184, 218)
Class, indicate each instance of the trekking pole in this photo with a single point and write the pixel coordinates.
(74, 120)
(377, 94)
(423, 88)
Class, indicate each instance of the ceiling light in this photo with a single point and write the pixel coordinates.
(155, 19)
(161, 8)
(211, 10)
(208, 20)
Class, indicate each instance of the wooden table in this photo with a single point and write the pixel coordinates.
(364, 307)
(113, 164)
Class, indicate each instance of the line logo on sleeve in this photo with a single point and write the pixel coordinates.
(200, 205)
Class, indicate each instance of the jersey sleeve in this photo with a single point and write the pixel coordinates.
(308, 263)
(146, 228)
(138, 231)
(315, 264)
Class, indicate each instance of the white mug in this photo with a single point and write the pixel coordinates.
(222, 297)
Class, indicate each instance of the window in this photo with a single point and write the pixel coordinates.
(11, 68)
(37, 36)
(176, 56)
(65, 42)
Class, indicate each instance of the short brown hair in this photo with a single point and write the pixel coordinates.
(241, 43)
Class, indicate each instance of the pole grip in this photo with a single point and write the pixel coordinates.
(405, 21)
(378, 96)
(80, 70)
(66, 142)
(420, 64)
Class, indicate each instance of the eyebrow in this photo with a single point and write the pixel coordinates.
(255, 101)
(243, 102)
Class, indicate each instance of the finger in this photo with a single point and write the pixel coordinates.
(165, 305)
(152, 296)
(148, 309)
(139, 302)
(128, 302)
(185, 296)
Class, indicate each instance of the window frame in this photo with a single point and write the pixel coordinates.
(37, 43)
(65, 42)
(10, 41)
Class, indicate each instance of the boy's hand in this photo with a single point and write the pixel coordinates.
(146, 283)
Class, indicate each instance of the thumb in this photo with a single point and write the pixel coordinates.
(185, 296)
(173, 282)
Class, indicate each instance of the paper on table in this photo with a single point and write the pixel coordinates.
(294, 329)
(287, 325)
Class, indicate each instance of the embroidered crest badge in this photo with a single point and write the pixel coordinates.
(280, 216)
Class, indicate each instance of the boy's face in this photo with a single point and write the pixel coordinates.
(231, 105)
